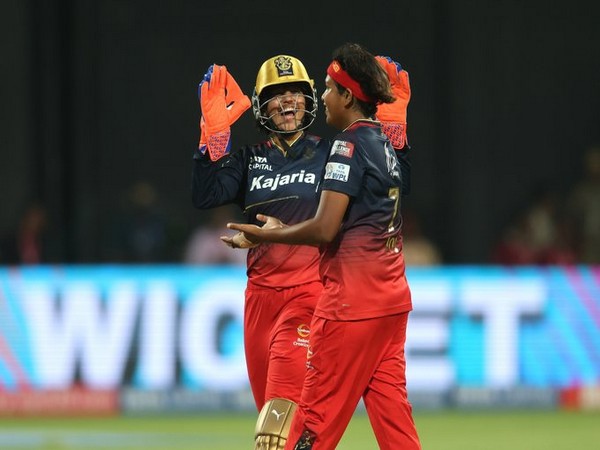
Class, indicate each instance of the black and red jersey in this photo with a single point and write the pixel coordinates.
(262, 179)
(363, 268)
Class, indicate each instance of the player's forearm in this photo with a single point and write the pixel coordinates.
(310, 232)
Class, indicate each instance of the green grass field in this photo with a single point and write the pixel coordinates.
(449, 430)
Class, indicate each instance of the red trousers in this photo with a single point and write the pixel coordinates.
(349, 360)
(276, 333)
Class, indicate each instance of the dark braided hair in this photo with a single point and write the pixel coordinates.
(362, 66)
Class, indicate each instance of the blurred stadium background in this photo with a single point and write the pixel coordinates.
(111, 319)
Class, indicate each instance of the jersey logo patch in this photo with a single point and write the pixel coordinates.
(337, 171)
(342, 148)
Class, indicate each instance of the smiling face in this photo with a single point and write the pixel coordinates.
(286, 107)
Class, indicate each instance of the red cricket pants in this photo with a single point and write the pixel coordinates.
(349, 360)
(276, 333)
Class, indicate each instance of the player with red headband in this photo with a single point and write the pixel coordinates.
(358, 329)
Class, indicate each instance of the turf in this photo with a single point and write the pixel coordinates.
(448, 430)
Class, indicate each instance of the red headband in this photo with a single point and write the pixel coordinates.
(341, 77)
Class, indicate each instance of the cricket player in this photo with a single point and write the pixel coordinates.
(358, 329)
(278, 176)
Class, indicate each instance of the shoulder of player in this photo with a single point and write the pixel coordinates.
(346, 135)
(362, 133)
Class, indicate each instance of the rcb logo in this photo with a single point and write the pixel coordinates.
(284, 66)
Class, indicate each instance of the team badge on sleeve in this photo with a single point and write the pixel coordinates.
(337, 171)
(342, 148)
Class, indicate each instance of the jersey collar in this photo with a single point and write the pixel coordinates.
(362, 123)
(275, 143)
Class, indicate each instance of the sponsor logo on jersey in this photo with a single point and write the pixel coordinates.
(303, 333)
(303, 330)
(342, 148)
(272, 183)
(337, 171)
(260, 163)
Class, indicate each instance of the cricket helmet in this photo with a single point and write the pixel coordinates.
(278, 70)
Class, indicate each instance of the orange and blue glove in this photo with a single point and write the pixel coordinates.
(393, 115)
(222, 102)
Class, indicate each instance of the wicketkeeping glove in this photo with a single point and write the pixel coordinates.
(393, 115)
(222, 103)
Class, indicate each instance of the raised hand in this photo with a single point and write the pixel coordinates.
(393, 115)
(222, 102)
